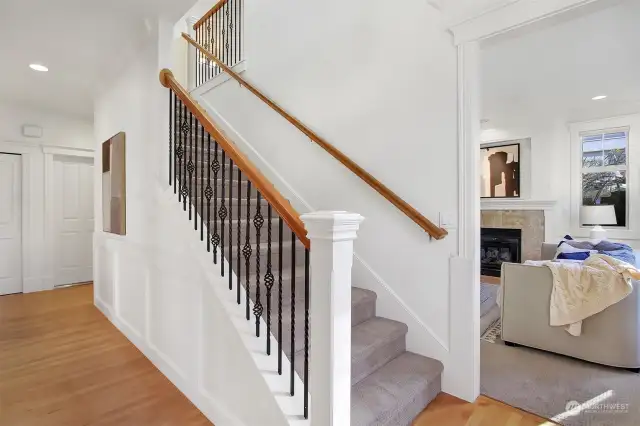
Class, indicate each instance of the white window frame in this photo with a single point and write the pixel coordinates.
(630, 124)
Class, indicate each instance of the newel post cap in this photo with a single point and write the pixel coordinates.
(332, 225)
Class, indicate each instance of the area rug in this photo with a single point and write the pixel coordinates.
(492, 334)
(489, 309)
(568, 391)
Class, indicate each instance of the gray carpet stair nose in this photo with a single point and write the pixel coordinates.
(396, 393)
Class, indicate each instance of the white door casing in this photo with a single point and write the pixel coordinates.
(10, 224)
(73, 217)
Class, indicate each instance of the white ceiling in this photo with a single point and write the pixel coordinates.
(82, 42)
(552, 71)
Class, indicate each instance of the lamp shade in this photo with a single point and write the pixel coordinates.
(598, 215)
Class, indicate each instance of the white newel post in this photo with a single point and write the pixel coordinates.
(191, 54)
(331, 235)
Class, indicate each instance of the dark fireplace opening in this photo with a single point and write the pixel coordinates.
(498, 245)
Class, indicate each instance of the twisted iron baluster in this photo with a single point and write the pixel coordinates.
(238, 272)
(215, 238)
(268, 279)
(223, 214)
(247, 251)
(202, 194)
(293, 310)
(280, 229)
(258, 221)
(230, 253)
(306, 333)
(209, 192)
(194, 147)
(190, 166)
(184, 127)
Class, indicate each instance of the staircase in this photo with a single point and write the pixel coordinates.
(389, 385)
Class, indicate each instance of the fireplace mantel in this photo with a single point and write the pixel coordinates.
(515, 204)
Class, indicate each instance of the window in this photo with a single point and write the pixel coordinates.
(604, 172)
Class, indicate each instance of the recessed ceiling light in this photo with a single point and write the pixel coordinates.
(597, 98)
(38, 67)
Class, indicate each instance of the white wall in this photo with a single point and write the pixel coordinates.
(150, 283)
(380, 84)
(58, 131)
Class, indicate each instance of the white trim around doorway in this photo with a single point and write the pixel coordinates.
(465, 277)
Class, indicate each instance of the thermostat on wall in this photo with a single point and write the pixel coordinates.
(31, 131)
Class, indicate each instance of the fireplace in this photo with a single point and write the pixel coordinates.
(499, 245)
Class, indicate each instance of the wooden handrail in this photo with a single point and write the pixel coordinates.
(210, 13)
(433, 230)
(280, 204)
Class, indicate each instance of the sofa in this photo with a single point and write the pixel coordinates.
(611, 337)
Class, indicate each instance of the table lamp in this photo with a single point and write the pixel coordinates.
(598, 215)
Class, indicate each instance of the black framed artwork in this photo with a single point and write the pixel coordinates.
(500, 171)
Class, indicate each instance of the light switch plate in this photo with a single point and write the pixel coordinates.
(448, 220)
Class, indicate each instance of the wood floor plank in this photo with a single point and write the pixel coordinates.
(62, 363)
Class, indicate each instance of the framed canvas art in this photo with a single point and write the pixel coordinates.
(114, 186)
(500, 171)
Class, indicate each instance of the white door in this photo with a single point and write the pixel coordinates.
(72, 220)
(10, 224)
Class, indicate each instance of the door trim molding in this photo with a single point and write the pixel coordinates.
(50, 152)
(467, 37)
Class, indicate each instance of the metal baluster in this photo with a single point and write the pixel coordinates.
(293, 310)
(230, 253)
(180, 152)
(215, 238)
(209, 193)
(220, 38)
(240, 27)
(258, 221)
(210, 69)
(247, 251)
(185, 132)
(170, 133)
(190, 164)
(306, 333)
(176, 138)
(226, 35)
(202, 195)
(223, 214)
(238, 274)
(268, 279)
(194, 201)
(280, 226)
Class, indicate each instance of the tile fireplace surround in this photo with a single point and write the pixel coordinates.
(531, 222)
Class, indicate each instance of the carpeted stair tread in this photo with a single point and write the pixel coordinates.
(374, 343)
(397, 392)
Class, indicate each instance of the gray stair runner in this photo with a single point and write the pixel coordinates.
(390, 386)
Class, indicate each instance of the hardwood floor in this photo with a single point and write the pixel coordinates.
(62, 363)
(447, 410)
(489, 280)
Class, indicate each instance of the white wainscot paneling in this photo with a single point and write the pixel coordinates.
(173, 316)
(104, 284)
(132, 292)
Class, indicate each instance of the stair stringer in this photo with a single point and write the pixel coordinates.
(421, 338)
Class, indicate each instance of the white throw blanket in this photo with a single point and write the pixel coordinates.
(584, 289)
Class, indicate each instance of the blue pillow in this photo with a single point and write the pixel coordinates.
(622, 254)
(579, 255)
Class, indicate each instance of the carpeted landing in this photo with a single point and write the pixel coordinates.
(545, 384)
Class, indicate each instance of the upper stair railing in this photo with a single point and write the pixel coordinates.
(433, 230)
(219, 31)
